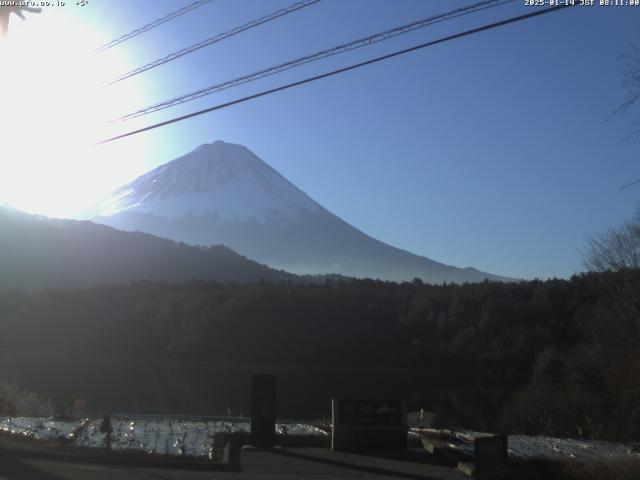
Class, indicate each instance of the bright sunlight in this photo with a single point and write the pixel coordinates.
(53, 110)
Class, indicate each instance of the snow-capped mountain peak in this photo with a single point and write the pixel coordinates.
(223, 179)
(222, 193)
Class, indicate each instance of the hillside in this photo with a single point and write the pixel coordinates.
(38, 252)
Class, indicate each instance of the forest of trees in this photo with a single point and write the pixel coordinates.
(565, 352)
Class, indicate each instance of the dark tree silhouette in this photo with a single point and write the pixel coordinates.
(630, 72)
(615, 250)
(6, 11)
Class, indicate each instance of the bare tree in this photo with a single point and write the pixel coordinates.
(630, 71)
(618, 250)
(614, 336)
(6, 11)
(615, 250)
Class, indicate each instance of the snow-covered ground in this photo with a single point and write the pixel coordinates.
(194, 438)
(40, 428)
(528, 447)
(161, 436)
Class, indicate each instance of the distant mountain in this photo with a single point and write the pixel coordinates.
(38, 252)
(222, 193)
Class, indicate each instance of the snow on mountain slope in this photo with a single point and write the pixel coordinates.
(220, 177)
(222, 193)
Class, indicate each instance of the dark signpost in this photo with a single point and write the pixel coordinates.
(263, 410)
(491, 453)
(68, 406)
(106, 428)
(60, 409)
(75, 407)
(79, 408)
(361, 425)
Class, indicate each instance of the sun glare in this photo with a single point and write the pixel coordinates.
(53, 109)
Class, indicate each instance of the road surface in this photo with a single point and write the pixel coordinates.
(24, 460)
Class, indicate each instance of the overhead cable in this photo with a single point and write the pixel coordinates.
(154, 24)
(340, 70)
(362, 42)
(215, 39)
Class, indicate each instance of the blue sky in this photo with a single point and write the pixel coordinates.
(494, 151)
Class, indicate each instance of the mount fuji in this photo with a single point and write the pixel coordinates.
(222, 193)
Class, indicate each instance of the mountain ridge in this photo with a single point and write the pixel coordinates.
(39, 252)
(222, 193)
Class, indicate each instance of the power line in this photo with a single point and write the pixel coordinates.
(154, 24)
(341, 70)
(215, 39)
(362, 42)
